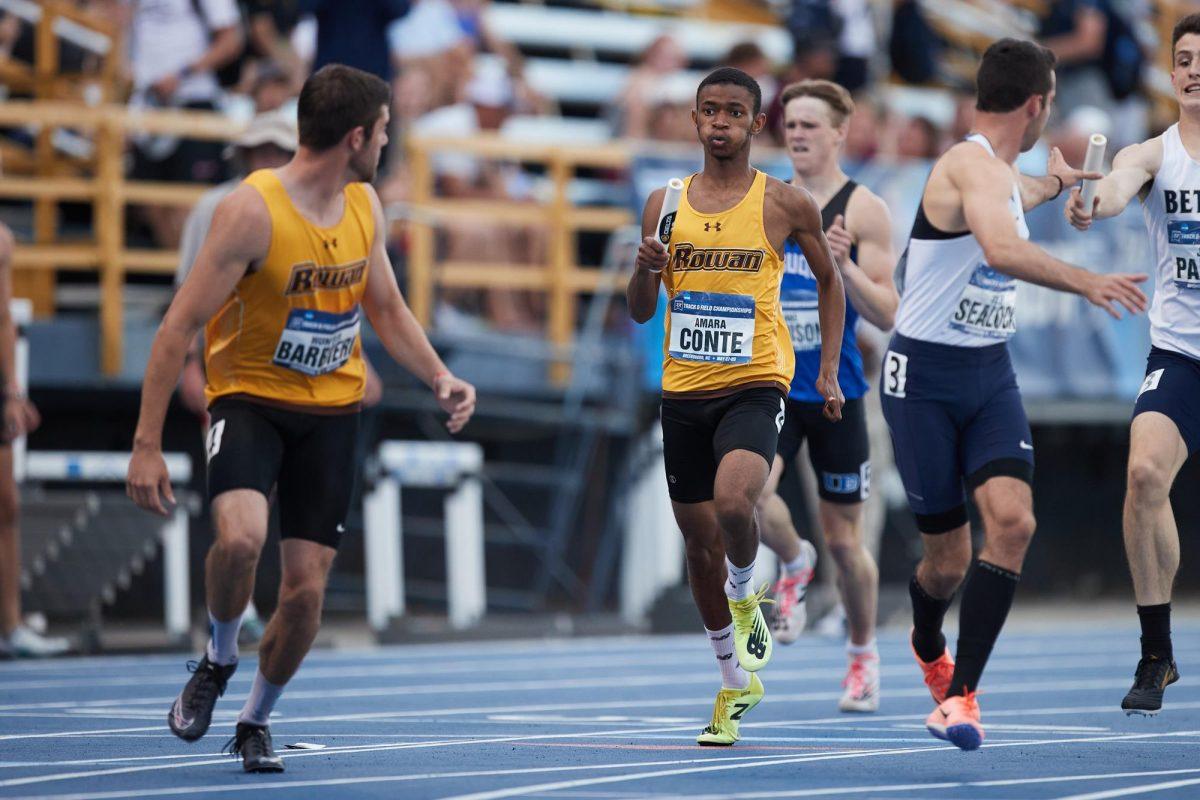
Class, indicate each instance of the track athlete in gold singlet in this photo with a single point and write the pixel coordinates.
(727, 366)
(294, 256)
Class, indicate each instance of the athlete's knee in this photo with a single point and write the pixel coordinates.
(302, 599)
(1149, 480)
(1012, 527)
(238, 547)
(734, 512)
(704, 557)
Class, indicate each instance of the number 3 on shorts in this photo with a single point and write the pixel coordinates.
(895, 374)
(214, 438)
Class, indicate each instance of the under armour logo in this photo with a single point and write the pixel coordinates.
(331, 243)
(712, 226)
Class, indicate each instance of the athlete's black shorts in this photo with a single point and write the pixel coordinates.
(697, 434)
(1172, 388)
(308, 458)
(839, 451)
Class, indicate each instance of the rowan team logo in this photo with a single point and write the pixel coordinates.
(688, 257)
(308, 277)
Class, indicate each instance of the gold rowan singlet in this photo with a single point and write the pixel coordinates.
(288, 334)
(725, 326)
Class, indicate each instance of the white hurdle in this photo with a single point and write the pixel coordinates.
(110, 467)
(457, 466)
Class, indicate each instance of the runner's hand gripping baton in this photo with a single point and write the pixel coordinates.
(1092, 162)
(670, 207)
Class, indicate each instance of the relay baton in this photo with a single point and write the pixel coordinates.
(1092, 162)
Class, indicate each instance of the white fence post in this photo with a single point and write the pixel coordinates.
(447, 465)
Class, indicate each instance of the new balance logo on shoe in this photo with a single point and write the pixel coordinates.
(742, 708)
(756, 644)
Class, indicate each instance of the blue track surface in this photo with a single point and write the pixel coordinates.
(610, 718)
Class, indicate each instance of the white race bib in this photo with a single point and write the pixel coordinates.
(317, 342)
(804, 324)
(1183, 240)
(987, 306)
(718, 328)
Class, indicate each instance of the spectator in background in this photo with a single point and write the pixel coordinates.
(813, 56)
(914, 47)
(1100, 63)
(1074, 30)
(19, 417)
(354, 32)
(964, 119)
(856, 43)
(175, 47)
(862, 132)
(750, 59)
(269, 25)
(661, 59)
(670, 113)
(488, 99)
(918, 138)
(271, 87)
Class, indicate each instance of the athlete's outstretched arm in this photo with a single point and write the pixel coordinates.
(239, 236)
(985, 185)
(805, 224)
(1133, 169)
(869, 284)
(1041, 189)
(401, 334)
(642, 292)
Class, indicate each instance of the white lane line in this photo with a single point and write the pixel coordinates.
(645, 681)
(816, 667)
(490, 773)
(352, 749)
(908, 787)
(520, 791)
(1132, 790)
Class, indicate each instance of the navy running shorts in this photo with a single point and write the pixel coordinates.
(1172, 388)
(840, 452)
(956, 420)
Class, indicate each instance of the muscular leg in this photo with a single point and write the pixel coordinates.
(775, 520)
(1006, 505)
(294, 625)
(858, 577)
(10, 546)
(240, 520)
(741, 476)
(705, 552)
(943, 565)
(1156, 453)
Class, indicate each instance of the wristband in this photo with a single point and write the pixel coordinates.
(1060, 187)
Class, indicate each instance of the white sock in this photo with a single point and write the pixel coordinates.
(732, 674)
(797, 564)
(222, 640)
(868, 649)
(737, 585)
(261, 702)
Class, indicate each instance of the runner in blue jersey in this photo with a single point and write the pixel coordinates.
(858, 227)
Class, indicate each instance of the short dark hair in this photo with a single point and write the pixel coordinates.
(1189, 24)
(335, 100)
(730, 75)
(841, 105)
(1012, 71)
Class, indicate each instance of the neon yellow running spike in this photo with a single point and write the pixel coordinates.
(751, 637)
(732, 704)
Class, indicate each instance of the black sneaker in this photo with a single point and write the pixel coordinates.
(1153, 675)
(191, 713)
(253, 744)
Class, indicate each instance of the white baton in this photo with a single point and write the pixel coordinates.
(1092, 162)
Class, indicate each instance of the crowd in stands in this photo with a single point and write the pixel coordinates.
(453, 76)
